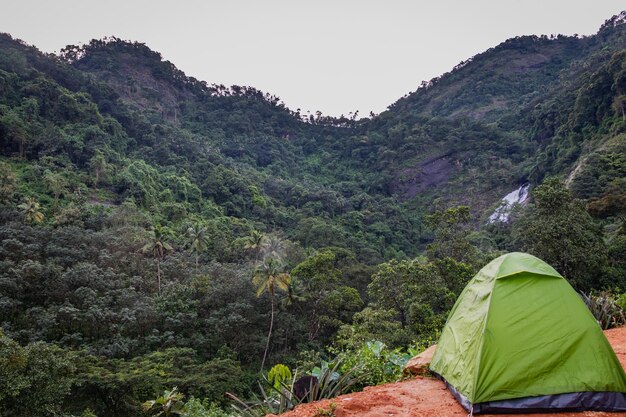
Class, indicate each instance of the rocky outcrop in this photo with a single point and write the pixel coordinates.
(418, 365)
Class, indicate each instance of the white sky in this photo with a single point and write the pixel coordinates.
(335, 56)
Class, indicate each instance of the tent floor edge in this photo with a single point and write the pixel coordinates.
(462, 399)
(572, 401)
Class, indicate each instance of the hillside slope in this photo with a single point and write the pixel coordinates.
(512, 75)
(506, 113)
(514, 114)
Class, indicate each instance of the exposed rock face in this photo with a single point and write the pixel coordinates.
(418, 365)
(428, 174)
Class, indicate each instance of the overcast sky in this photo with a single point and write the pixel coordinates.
(335, 56)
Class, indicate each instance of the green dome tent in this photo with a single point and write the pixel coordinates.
(520, 339)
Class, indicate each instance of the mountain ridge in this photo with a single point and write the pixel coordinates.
(153, 225)
(162, 90)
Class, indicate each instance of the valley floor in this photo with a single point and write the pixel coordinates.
(426, 397)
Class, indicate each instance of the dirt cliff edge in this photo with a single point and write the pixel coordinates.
(425, 396)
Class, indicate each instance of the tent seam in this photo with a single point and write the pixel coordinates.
(522, 271)
(482, 333)
(480, 348)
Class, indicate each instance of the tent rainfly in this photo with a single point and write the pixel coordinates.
(520, 339)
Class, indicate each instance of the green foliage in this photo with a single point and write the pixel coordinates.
(558, 229)
(329, 304)
(373, 363)
(606, 307)
(113, 384)
(451, 228)
(278, 375)
(168, 404)
(254, 242)
(87, 413)
(274, 402)
(617, 257)
(35, 379)
(197, 408)
(603, 170)
(197, 240)
(140, 181)
(158, 247)
(372, 324)
(269, 278)
(421, 293)
(394, 285)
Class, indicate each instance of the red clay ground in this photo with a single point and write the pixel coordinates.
(427, 397)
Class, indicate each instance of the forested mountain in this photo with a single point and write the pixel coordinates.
(154, 227)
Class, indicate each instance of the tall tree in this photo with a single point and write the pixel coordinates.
(198, 240)
(452, 229)
(393, 287)
(254, 242)
(99, 166)
(158, 247)
(270, 278)
(325, 302)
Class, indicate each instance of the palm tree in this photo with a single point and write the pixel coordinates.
(31, 210)
(269, 278)
(255, 242)
(273, 246)
(198, 240)
(158, 247)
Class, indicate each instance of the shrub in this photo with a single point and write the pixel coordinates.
(374, 363)
(605, 307)
(202, 408)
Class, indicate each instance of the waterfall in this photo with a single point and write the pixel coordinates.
(519, 196)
